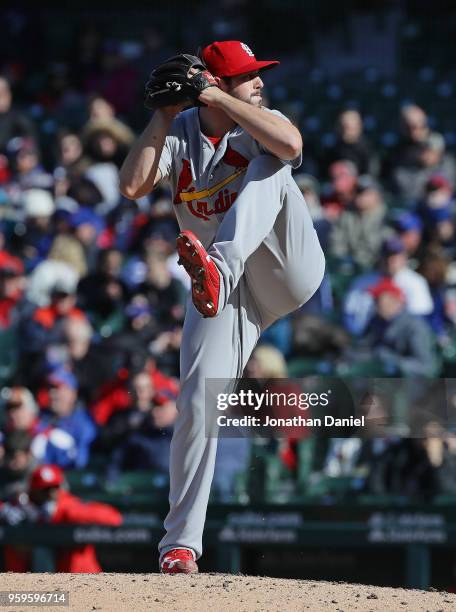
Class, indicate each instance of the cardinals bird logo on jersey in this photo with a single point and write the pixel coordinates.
(197, 202)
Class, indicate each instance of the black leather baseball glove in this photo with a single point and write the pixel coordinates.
(180, 78)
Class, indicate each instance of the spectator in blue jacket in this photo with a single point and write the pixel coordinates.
(77, 431)
(401, 341)
(139, 437)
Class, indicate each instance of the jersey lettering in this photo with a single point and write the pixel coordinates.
(199, 209)
(224, 201)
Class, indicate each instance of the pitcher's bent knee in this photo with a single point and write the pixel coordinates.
(302, 289)
(299, 287)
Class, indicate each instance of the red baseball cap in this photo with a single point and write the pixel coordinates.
(230, 58)
(438, 181)
(46, 476)
(386, 285)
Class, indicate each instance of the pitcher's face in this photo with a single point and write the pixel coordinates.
(246, 87)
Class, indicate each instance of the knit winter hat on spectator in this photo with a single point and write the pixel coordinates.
(38, 203)
(386, 285)
(86, 216)
(406, 222)
(392, 246)
(62, 376)
(137, 307)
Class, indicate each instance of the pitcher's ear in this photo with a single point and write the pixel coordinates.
(223, 83)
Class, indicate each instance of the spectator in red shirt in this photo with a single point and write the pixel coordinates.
(47, 323)
(115, 396)
(50, 502)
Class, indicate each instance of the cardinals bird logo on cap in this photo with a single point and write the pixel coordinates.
(247, 49)
(47, 474)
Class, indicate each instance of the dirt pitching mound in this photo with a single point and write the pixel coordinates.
(218, 592)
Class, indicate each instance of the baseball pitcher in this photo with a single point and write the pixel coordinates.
(247, 242)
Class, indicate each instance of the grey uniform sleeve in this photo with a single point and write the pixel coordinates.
(170, 150)
(297, 161)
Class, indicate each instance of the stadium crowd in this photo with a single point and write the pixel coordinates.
(92, 300)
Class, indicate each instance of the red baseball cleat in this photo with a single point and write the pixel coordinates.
(203, 272)
(178, 561)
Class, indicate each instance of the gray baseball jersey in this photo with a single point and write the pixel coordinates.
(205, 180)
(247, 210)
